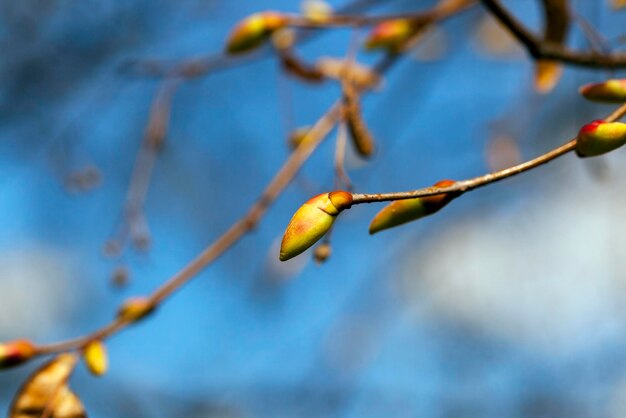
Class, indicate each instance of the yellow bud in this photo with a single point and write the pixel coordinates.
(600, 137)
(135, 309)
(311, 221)
(15, 353)
(407, 210)
(254, 30)
(95, 357)
(547, 75)
(298, 136)
(610, 91)
(391, 35)
(555, 29)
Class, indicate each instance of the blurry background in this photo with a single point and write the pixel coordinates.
(508, 303)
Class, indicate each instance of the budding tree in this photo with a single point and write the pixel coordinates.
(277, 34)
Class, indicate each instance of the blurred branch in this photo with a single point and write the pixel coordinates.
(240, 228)
(133, 219)
(200, 66)
(442, 10)
(282, 178)
(539, 49)
(341, 176)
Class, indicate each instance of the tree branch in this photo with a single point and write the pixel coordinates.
(484, 180)
(282, 178)
(550, 51)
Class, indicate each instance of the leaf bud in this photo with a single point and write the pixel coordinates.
(391, 35)
(609, 91)
(547, 75)
(311, 221)
(600, 137)
(16, 352)
(95, 358)
(407, 210)
(254, 30)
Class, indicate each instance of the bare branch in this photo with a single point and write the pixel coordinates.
(476, 182)
(539, 49)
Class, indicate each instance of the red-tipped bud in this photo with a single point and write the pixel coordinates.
(403, 211)
(311, 221)
(391, 35)
(600, 137)
(254, 30)
(610, 91)
(15, 353)
(95, 357)
(135, 309)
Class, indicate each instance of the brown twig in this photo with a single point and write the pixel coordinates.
(294, 65)
(362, 138)
(282, 178)
(539, 49)
(133, 219)
(280, 181)
(442, 10)
(476, 182)
(201, 66)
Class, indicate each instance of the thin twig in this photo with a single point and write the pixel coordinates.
(133, 219)
(476, 182)
(443, 10)
(280, 181)
(209, 64)
(539, 49)
(342, 180)
(203, 65)
(282, 178)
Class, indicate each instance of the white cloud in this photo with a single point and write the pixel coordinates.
(35, 291)
(549, 275)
